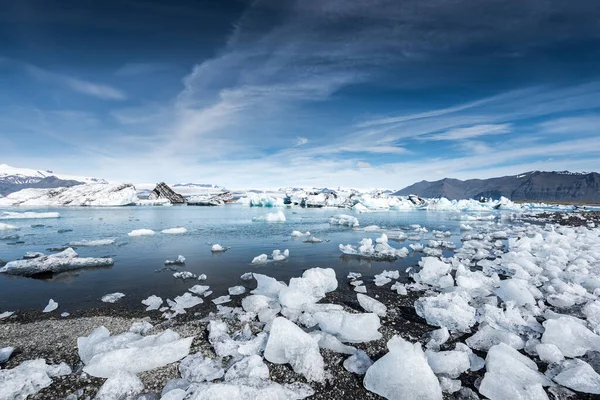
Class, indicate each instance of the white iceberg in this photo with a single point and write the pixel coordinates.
(271, 217)
(344, 220)
(141, 232)
(93, 194)
(236, 290)
(64, 261)
(174, 231)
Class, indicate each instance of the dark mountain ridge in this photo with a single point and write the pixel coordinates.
(530, 186)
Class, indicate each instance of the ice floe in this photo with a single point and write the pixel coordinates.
(92, 243)
(153, 303)
(174, 231)
(59, 262)
(28, 215)
(380, 251)
(141, 232)
(112, 297)
(180, 260)
(279, 216)
(345, 220)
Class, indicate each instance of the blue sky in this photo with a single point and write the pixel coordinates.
(366, 93)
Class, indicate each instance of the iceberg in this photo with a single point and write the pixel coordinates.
(92, 194)
(174, 231)
(92, 243)
(141, 232)
(64, 261)
(271, 217)
(261, 200)
(344, 220)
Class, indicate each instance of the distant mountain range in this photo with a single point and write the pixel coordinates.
(530, 186)
(14, 179)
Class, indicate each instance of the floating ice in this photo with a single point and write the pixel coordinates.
(59, 262)
(91, 243)
(141, 232)
(174, 231)
(104, 355)
(261, 200)
(6, 314)
(199, 289)
(360, 289)
(180, 303)
(5, 227)
(112, 297)
(179, 261)
(236, 290)
(511, 375)
(450, 310)
(369, 304)
(403, 373)
(28, 215)
(288, 344)
(261, 259)
(313, 239)
(28, 378)
(222, 300)
(246, 276)
(184, 275)
(280, 256)
(347, 327)
(153, 302)
(202, 277)
(271, 217)
(217, 248)
(580, 376)
(52, 305)
(345, 220)
(386, 277)
(300, 234)
(121, 385)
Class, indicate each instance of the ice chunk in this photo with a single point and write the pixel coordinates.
(313, 239)
(347, 327)
(122, 385)
(488, 336)
(271, 217)
(465, 227)
(261, 259)
(104, 355)
(369, 304)
(580, 376)
(174, 231)
(59, 262)
(29, 215)
(202, 277)
(399, 288)
(5, 227)
(217, 248)
(279, 256)
(549, 353)
(381, 251)
(515, 290)
(330, 342)
(450, 310)
(92, 243)
(222, 300)
(141, 327)
(184, 275)
(437, 338)
(571, 338)
(28, 378)
(179, 261)
(153, 302)
(354, 275)
(343, 219)
(186, 300)
(141, 232)
(432, 271)
(267, 286)
(451, 363)
(403, 373)
(5, 354)
(236, 290)
(358, 363)
(511, 375)
(196, 368)
(246, 276)
(199, 289)
(300, 234)
(112, 297)
(386, 277)
(288, 344)
(6, 314)
(360, 289)
(52, 305)
(251, 367)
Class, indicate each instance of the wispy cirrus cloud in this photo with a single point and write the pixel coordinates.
(470, 132)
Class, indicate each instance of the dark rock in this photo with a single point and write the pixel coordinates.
(163, 191)
(216, 200)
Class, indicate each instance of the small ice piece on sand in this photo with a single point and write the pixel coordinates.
(344, 220)
(300, 234)
(511, 375)
(347, 327)
(360, 289)
(28, 378)
(208, 293)
(580, 376)
(121, 385)
(451, 310)
(261, 259)
(196, 368)
(236, 290)
(289, 344)
(104, 355)
(222, 300)
(354, 275)
(217, 248)
(386, 277)
(549, 353)
(52, 305)
(184, 275)
(112, 297)
(252, 367)
(141, 232)
(199, 289)
(369, 304)
(571, 338)
(6, 314)
(153, 302)
(179, 261)
(358, 363)
(451, 363)
(174, 231)
(65, 314)
(202, 277)
(279, 256)
(400, 288)
(247, 276)
(5, 354)
(141, 327)
(403, 373)
(488, 336)
(271, 217)
(92, 243)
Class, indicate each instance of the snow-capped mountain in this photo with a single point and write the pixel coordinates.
(13, 179)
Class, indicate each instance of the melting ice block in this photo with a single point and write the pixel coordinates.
(571, 338)
(580, 376)
(112, 297)
(289, 344)
(260, 259)
(345, 220)
(347, 327)
(174, 231)
(28, 378)
(432, 271)
(271, 217)
(104, 355)
(450, 310)
(451, 363)
(141, 232)
(52, 305)
(5, 354)
(121, 385)
(358, 363)
(64, 261)
(369, 304)
(196, 368)
(403, 373)
(153, 302)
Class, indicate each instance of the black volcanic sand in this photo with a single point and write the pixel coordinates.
(575, 218)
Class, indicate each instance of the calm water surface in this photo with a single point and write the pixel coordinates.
(138, 258)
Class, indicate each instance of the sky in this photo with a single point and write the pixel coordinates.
(276, 93)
